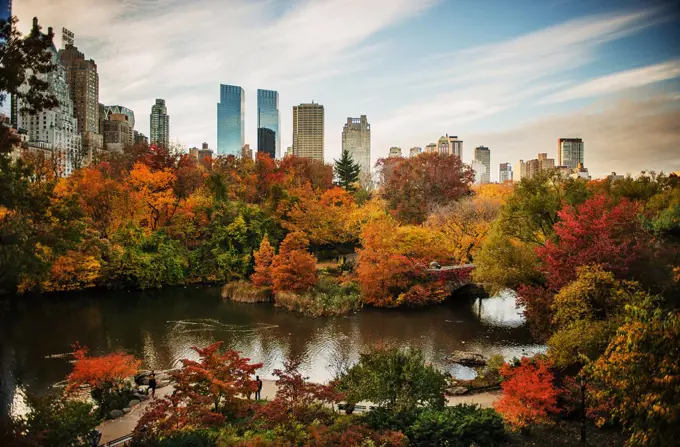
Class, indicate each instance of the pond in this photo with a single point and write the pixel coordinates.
(160, 327)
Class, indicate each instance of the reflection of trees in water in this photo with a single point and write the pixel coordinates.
(161, 326)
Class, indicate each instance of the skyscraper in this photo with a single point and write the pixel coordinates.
(356, 139)
(570, 152)
(5, 14)
(480, 171)
(450, 145)
(268, 118)
(395, 152)
(483, 155)
(266, 142)
(231, 120)
(505, 173)
(308, 133)
(415, 151)
(107, 111)
(160, 124)
(531, 167)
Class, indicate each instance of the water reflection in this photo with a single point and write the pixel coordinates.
(161, 327)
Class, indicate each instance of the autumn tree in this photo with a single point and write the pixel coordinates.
(529, 394)
(263, 264)
(105, 375)
(414, 186)
(155, 189)
(205, 392)
(639, 375)
(293, 268)
(587, 313)
(346, 171)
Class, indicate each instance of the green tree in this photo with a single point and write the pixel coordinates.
(347, 171)
(395, 378)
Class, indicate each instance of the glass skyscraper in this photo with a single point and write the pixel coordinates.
(231, 120)
(268, 118)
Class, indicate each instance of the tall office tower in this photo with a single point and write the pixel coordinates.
(231, 120)
(480, 171)
(107, 111)
(483, 155)
(395, 152)
(356, 139)
(159, 132)
(415, 151)
(450, 145)
(268, 118)
(266, 142)
(505, 173)
(308, 122)
(5, 15)
(570, 152)
(55, 131)
(431, 148)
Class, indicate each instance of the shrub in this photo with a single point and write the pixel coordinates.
(189, 438)
(459, 426)
(381, 418)
(395, 378)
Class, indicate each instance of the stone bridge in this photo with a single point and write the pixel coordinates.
(453, 276)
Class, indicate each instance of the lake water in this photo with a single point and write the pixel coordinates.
(160, 327)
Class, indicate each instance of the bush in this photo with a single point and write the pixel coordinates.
(245, 292)
(191, 438)
(487, 377)
(381, 418)
(327, 298)
(458, 426)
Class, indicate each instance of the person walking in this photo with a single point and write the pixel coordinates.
(258, 393)
(152, 384)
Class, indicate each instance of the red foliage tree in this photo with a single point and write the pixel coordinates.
(595, 232)
(294, 268)
(205, 391)
(109, 370)
(529, 394)
(414, 186)
(302, 170)
(263, 264)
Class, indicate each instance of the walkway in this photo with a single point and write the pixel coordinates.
(117, 428)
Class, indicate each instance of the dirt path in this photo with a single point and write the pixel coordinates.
(123, 426)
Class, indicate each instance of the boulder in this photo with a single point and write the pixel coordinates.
(133, 403)
(126, 410)
(458, 391)
(115, 414)
(468, 358)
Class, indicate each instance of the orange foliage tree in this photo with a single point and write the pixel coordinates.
(110, 370)
(155, 190)
(529, 393)
(294, 268)
(263, 264)
(205, 392)
(393, 263)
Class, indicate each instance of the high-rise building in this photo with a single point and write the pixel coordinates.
(356, 139)
(140, 138)
(159, 133)
(268, 118)
(480, 171)
(107, 111)
(266, 142)
(530, 168)
(117, 132)
(246, 152)
(5, 15)
(54, 131)
(308, 131)
(505, 173)
(450, 145)
(483, 155)
(231, 120)
(395, 152)
(431, 148)
(570, 152)
(415, 151)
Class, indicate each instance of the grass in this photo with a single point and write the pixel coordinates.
(246, 292)
(328, 298)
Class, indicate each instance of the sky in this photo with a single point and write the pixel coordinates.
(511, 75)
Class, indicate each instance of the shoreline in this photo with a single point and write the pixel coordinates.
(116, 428)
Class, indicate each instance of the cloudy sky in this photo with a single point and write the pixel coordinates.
(511, 75)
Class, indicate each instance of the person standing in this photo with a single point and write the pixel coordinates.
(152, 384)
(258, 393)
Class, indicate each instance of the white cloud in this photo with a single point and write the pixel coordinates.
(617, 82)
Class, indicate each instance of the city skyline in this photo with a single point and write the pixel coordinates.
(508, 90)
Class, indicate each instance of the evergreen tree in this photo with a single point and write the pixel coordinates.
(347, 171)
